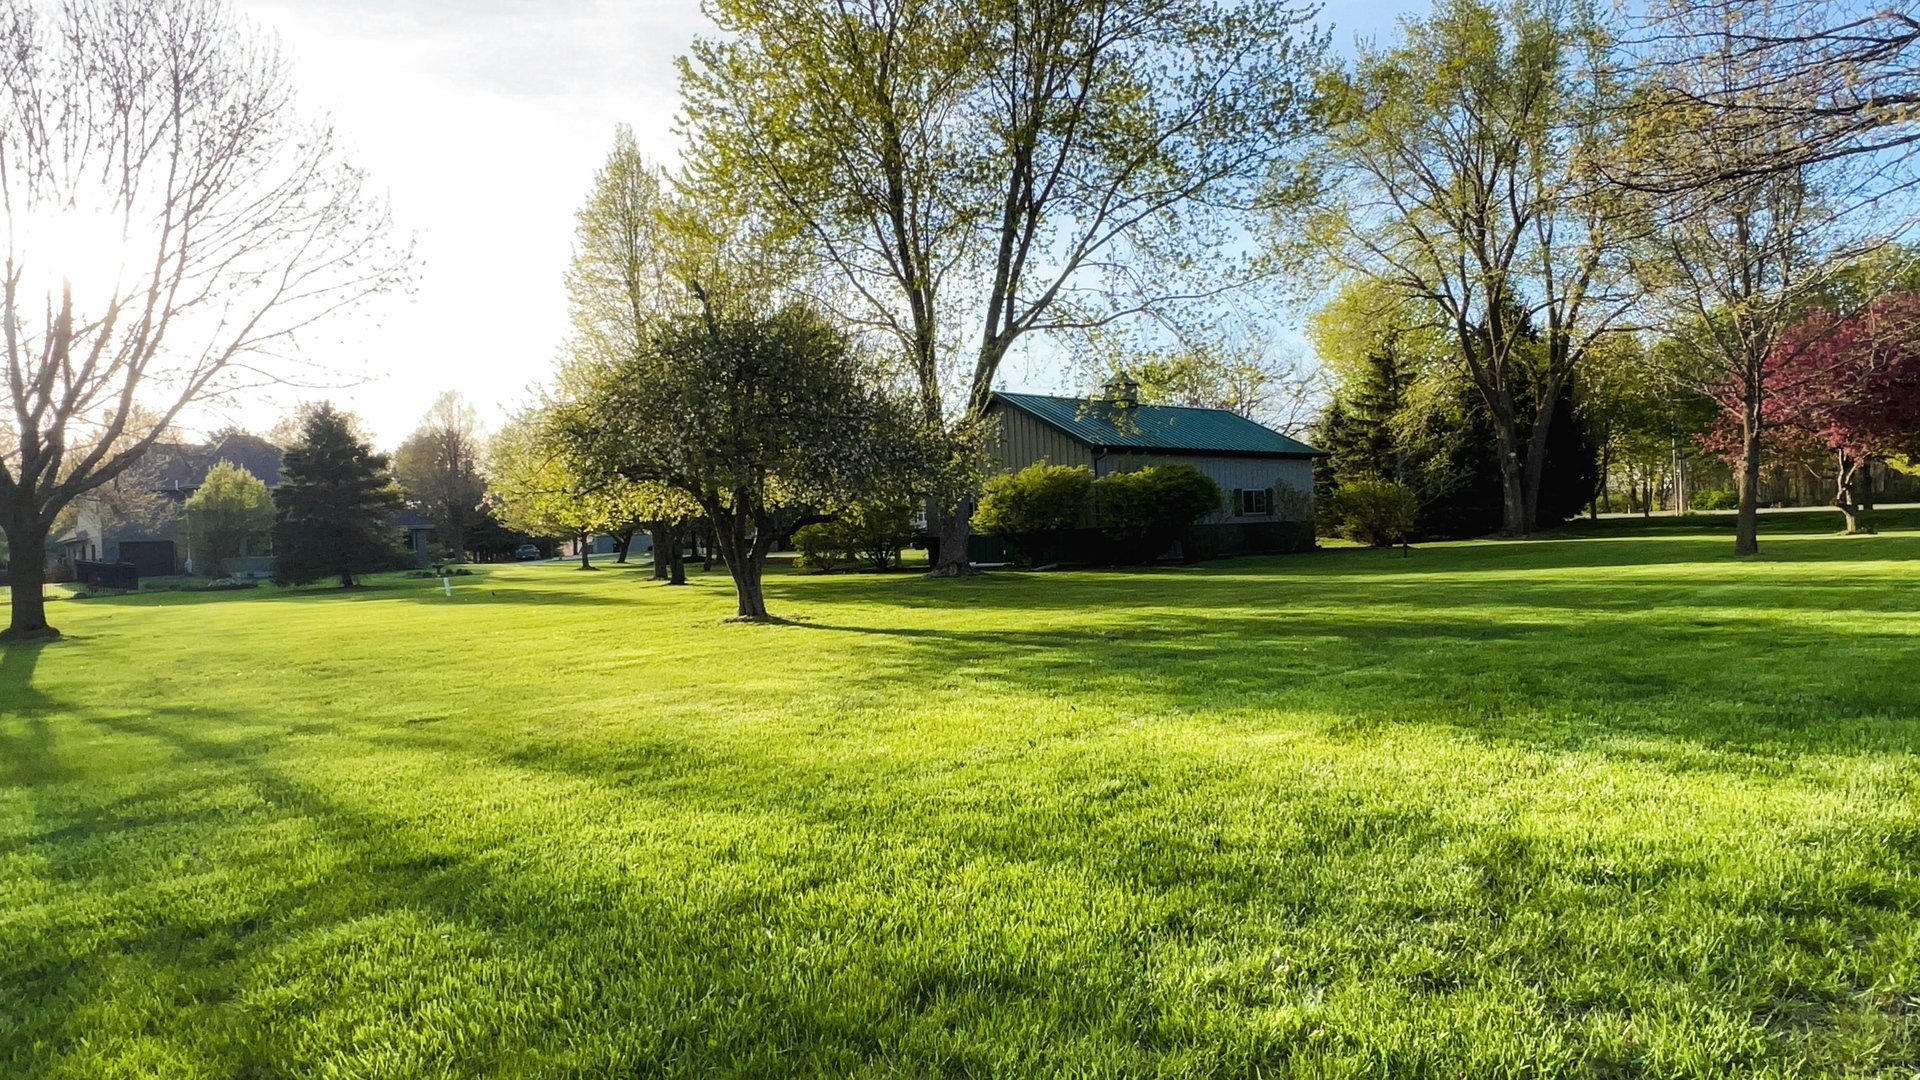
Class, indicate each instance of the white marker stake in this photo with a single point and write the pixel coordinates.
(447, 583)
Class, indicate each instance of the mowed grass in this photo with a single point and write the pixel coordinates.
(1613, 804)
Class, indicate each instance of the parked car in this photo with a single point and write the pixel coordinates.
(525, 552)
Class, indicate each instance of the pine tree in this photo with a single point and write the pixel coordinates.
(336, 503)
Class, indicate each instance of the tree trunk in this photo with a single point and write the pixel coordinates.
(744, 557)
(1606, 474)
(1682, 483)
(661, 559)
(586, 552)
(621, 543)
(346, 581)
(1536, 468)
(27, 570)
(1746, 530)
(457, 542)
(1513, 486)
(1843, 499)
(955, 526)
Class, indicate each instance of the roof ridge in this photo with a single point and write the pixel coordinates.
(1205, 431)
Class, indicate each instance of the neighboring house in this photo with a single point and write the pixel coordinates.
(603, 544)
(171, 472)
(1267, 476)
(419, 542)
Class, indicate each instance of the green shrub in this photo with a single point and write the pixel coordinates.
(874, 533)
(1370, 511)
(1716, 500)
(1292, 504)
(1033, 508)
(1143, 511)
(822, 546)
(229, 516)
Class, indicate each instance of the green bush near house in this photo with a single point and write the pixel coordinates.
(874, 533)
(1378, 513)
(1140, 513)
(1719, 499)
(230, 516)
(1034, 508)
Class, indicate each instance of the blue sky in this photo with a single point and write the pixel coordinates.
(483, 121)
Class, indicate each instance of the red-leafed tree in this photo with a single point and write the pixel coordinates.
(1848, 388)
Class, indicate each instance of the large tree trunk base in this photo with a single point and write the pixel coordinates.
(955, 570)
(21, 637)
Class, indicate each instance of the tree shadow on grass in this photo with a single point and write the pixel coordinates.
(1556, 678)
(907, 928)
(430, 955)
(26, 735)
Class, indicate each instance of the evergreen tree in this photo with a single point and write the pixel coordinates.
(1402, 412)
(336, 503)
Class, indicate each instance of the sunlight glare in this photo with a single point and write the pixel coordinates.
(85, 248)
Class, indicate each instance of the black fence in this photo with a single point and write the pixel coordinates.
(107, 575)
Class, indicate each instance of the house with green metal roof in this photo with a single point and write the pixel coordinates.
(1267, 476)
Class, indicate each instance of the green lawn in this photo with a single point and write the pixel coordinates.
(1613, 804)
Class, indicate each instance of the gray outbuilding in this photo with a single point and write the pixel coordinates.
(1267, 476)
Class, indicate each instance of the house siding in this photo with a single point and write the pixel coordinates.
(1019, 440)
(1231, 473)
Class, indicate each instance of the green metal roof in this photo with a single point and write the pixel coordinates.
(1157, 427)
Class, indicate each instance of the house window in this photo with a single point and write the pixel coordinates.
(1255, 502)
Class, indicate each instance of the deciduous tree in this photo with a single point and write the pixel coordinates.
(974, 172)
(228, 516)
(438, 468)
(1851, 389)
(543, 483)
(1463, 175)
(765, 422)
(171, 223)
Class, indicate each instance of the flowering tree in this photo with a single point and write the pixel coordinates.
(1846, 387)
(766, 422)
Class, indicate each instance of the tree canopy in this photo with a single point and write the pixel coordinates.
(764, 422)
(970, 173)
(335, 503)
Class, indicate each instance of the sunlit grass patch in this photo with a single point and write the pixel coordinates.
(1611, 803)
